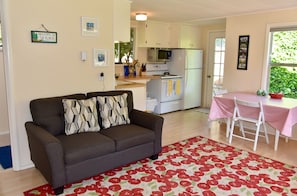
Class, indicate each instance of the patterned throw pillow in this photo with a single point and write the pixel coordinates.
(80, 115)
(113, 110)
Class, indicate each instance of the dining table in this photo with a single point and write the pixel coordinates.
(281, 114)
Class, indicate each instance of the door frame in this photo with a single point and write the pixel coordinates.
(8, 72)
(208, 82)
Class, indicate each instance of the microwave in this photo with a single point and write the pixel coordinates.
(158, 55)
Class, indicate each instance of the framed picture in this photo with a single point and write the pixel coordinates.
(43, 37)
(100, 57)
(89, 26)
(243, 51)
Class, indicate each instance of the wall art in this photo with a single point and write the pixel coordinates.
(89, 26)
(243, 51)
(43, 37)
(100, 57)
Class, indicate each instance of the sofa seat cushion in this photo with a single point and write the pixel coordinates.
(83, 146)
(126, 136)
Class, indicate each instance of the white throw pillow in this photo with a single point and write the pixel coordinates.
(113, 110)
(80, 115)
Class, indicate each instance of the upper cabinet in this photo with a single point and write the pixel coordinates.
(154, 34)
(184, 36)
(121, 28)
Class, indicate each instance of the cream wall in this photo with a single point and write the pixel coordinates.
(40, 70)
(255, 26)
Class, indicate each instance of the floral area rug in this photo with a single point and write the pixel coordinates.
(197, 166)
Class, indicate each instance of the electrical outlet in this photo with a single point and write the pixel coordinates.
(101, 76)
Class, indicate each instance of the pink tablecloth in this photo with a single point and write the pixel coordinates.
(279, 113)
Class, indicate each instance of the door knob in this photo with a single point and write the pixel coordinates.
(209, 76)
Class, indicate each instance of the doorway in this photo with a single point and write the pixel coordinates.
(5, 161)
(215, 69)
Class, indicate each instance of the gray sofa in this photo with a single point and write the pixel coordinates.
(64, 159)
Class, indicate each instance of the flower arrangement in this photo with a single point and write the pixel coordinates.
(132, 67)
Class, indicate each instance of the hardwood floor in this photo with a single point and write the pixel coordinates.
(177, 126)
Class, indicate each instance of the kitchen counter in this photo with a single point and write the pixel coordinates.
(137, 85)
(121, 84)
(143, 77)
(136, 81)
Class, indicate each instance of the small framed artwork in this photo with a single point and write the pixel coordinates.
(100, 57)
(44, 37)
(243, 51)
(89, 26)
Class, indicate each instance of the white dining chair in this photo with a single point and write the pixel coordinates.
(219, 91)
(240, 116)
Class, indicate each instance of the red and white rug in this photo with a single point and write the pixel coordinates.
(197, 166)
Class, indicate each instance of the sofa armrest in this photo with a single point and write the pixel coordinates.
(149, 121)
(47, 154)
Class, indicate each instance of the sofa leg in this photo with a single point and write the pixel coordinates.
(154, 157)
(59, 190)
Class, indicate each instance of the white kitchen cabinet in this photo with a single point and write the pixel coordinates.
(139, 97)
(185, 36)
(121, 24)
(154, 34)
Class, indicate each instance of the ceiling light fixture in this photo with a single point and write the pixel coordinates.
(141, 16)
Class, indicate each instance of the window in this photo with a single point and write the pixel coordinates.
(124, 51)
(283, 61)
(219, 55)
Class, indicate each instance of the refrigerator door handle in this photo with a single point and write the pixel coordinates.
(186, 78)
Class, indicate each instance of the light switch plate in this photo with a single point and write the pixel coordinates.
(83, 55)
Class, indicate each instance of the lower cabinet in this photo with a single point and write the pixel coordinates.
(139, 96)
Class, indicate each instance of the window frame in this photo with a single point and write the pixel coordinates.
(267, 61)
(132, 39)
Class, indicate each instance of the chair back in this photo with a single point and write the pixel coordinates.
(248, 111)
(219, 91)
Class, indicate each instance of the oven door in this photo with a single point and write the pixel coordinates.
(171, 89)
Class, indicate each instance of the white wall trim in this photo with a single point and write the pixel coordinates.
(8, 64)
(4, 132)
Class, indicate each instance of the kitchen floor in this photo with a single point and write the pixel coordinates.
(177, 126)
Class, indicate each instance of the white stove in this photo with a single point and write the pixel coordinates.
(167, 89)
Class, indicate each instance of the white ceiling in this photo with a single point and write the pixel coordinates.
(204, 11)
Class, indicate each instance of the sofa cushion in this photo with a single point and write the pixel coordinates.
(126, 136)
(115, 93)
(49, 113)
(113, 110)
(83, 146)
(80, 115)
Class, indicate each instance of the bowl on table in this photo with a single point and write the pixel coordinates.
(276, 95)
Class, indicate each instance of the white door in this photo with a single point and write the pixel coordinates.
(215, 67)
(192, 91)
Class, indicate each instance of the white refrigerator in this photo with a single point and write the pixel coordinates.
(188, 64)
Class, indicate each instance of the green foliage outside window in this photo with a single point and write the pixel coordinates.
(284, 79)
(126, 49)
(283, 70)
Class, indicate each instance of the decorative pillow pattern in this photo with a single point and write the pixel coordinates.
(80, 115)
(113, 110)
